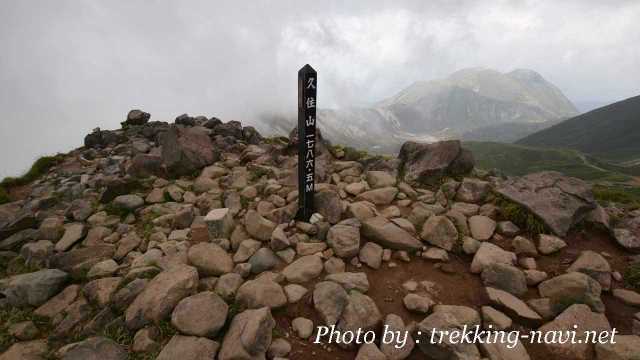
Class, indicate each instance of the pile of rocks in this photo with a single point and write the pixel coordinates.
(183, 237)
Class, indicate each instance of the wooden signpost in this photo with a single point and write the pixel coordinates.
(307, 87)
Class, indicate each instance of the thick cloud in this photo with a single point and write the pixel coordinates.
(69, 66)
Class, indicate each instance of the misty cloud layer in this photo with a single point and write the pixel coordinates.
(69, 66)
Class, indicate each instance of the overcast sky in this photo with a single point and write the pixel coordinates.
(67, 67)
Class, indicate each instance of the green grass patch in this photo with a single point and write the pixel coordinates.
(13, 315)
(632, 276)
(518, 160)
(627, 196)
(39, 168)
(520, 216)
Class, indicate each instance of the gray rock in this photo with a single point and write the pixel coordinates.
(395, 323)
(329, 300)
(228, 284)
(481, 227)
(219, 223)
(249, 336)
(472, 190)
(389, 235)
(494, 318)
(505, 277)
(33, 289)
(371, 254)
(257, 226)
(417, 303)
(572, 288)
(294, 292)
(489, 253)
(595, 265)
(440, 231)
(255, 294)
(303, 327)
(524, 247)
(264, 259)
(585, 320)
(444, 321)
(161, 295)
(382, 196)
(512, 305)
(361, 312)
(72, 234)
(210, 259)
(380, 179)
(203, 314)
(350, 280)
(549, 244)
(426, 164)
(344, 238)
(504, 351)
(189, 348)
(628, 297)
(185, 150)
(559, 201)
(304, 269)
(627, 347)
(129, 202)
(329, 205)
(127, 244)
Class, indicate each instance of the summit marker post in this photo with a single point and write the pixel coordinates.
(307, 90)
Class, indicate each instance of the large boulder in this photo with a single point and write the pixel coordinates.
(386, 233)
(161, 295)
(185, 150)
(426, 164)
(137, 117)
(572, 288)
(559, 201)
(33, 289)
(582, 320)
(627, 234)
(249, 336)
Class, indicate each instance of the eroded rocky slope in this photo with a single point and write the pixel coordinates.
(166, 241)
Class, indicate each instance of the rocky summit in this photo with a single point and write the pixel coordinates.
(178, 241)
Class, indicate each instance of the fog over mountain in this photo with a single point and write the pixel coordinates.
(68, 66)
(475, 104)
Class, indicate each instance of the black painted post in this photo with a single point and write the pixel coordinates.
(307, 87)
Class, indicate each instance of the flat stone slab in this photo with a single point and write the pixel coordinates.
(559, 201)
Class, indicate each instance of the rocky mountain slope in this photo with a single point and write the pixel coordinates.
(611, 132)
(166, 241)
(500, 105)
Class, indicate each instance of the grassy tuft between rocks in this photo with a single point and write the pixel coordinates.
(10, 316)
(520, 216)
(627, 196)
(40, 167)
(632, 276)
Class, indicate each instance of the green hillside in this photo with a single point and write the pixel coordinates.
(611, 132)
(513, 159)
